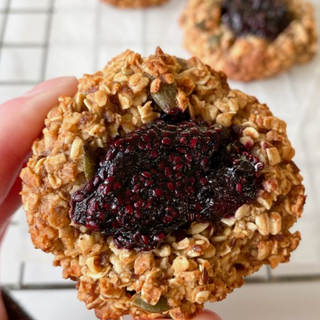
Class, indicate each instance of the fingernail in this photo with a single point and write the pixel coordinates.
(49, 84)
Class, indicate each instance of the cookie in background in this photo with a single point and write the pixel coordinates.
(251, 39)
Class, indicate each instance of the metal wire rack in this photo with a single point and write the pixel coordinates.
(8, 9)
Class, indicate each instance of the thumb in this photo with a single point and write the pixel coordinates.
(207, 315)
(21, 122)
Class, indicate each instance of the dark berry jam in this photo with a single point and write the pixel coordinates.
(263, 18)
(163, 176)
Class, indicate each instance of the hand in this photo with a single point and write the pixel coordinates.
(21, 122)
(207, 315)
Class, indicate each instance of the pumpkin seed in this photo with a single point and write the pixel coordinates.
(165, 98)
(160, 306)
(214, 40)
(183, 63)
(202, 25)
(89, 163)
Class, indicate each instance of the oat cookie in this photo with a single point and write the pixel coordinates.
(199, 142)
(135, 3)
(252, 39)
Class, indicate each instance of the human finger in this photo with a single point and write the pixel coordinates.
(21, 122)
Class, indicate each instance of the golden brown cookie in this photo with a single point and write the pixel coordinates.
(215, 32)
(76, 203)
(135, 3)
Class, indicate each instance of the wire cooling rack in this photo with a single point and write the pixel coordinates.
(6, 12)
(38, 41)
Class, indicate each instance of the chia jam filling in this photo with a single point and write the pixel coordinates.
(263, 18)
(162, 177)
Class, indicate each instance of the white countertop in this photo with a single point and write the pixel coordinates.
(80, 36)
